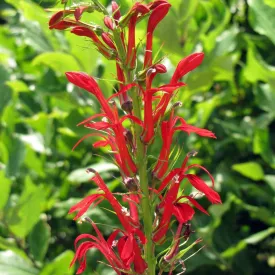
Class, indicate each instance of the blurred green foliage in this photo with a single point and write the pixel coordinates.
(232, 93)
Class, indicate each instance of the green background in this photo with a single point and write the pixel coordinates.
(232, 93)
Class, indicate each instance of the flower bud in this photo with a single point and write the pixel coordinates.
(115, 10)
(108, 23)
(130, 184)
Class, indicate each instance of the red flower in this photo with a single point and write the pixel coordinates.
(126, 220)
(128, 250)
(158, 13)
(185, 66)
(137, 9)
(116, 12)
(79, 11)
(57, 22)
(197, 182)
(111, 114)
(171, 206)
(84, 31)
(168, 129)
(149, 124)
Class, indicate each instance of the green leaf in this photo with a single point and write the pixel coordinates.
(12, 264)
(25, 214)
(262, 18)
(39, 239)
(10, 244)
(57, 61)
(270, 180)
(80, 175)
(252, 240)
(261, 146)
(60, 265)
(18, 86)
(251, 170)
(256, 68)
(5, 186)
(265, 98)
(259, 236)
(16, 157)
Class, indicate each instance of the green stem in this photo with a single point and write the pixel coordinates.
(141, 161)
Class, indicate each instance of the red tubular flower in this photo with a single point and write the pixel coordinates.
(171, 205)
(83, 31)
(105, 247)
(79, 11)
(168, 129)
(128, 250)
(149, 124)
(196, 181)
(126, 220)
(157, 15)
(86, 82)
(185, 66)
(138, 9)
(115, 11)
(57, 21)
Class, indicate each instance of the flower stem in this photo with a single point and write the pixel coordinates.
(141, 158)
(141, 161)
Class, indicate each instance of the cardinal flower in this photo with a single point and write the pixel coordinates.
(120, 253)
(171, 205)
(186, 65)
(168, 129)
(158, 13)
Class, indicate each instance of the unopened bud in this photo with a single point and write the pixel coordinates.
(130, 184)
(115, 10)
(192, 153)
(127, 106)
(177, 104)
(108, 22)
(90, 170)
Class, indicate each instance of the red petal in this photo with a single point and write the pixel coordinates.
(200, 185)
(186, 65)
(183, 212)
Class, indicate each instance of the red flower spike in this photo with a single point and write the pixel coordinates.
(124, 250)
(157, 15)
